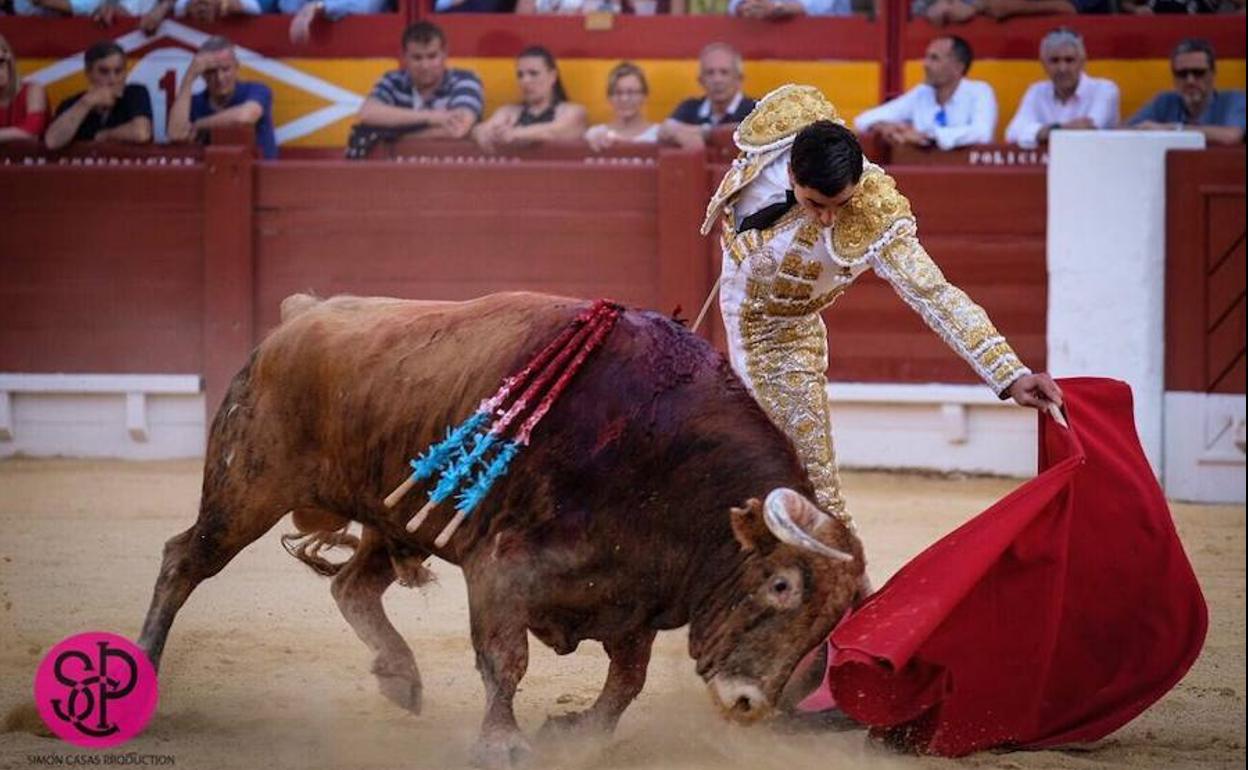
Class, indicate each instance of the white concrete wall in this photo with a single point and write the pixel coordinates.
(1204, 447)
(131, 416)
(931, 427)
(94, 425)
(1107, 261)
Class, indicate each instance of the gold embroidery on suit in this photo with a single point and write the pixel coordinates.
(962, 324)
(783, 338)
(781, 114)
(765, 134)
(862, 221)
(786, 355)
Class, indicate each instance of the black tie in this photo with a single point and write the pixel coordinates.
(768, 215)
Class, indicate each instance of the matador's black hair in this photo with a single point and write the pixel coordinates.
(827, 157)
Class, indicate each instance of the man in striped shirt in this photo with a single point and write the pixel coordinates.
(423, 97)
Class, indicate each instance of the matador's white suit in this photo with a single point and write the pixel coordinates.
(776, 280)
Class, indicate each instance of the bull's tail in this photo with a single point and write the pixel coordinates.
(307, 547)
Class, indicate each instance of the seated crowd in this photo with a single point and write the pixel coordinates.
(304, 12)
(425, 97)
(152, 12)
(950, 110)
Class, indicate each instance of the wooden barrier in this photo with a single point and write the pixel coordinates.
(986, 230)
(229, 267)
(180, 269)
(103, 154)
(455, 230)
(1205, 271)
(415, 150)
(990, 155)
(103, 269)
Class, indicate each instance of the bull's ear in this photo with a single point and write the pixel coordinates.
(748, 525)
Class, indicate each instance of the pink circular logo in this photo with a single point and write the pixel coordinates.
(96, 690)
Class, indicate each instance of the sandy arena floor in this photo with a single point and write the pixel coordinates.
(262, 671)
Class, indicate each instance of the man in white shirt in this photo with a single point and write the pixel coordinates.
(946, 111)
(1068, 100)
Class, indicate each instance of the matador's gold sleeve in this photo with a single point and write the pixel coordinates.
(903, 262)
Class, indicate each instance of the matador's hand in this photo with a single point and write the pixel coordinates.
(1035, 390)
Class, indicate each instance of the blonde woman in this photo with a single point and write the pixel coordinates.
(628, 90)
(23, 106)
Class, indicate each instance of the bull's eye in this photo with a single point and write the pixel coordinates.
(784, 588)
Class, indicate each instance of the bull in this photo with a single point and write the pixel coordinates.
(656, 493)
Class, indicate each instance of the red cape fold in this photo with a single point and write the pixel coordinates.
(1054, 617)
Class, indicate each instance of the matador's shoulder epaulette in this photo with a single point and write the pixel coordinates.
(766, 134)
(873, 211)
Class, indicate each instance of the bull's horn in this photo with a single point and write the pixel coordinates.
(776, 512)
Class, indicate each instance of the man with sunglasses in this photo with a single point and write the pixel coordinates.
(1194, 104)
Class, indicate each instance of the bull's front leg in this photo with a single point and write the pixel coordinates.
(630, 658)
(500, 638)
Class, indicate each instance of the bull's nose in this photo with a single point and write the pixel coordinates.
(740, 699)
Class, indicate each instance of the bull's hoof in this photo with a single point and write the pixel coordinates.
(500, 751)
(402, 689)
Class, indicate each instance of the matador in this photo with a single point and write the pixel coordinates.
(802, 215)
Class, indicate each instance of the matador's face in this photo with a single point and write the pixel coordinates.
(818, 205)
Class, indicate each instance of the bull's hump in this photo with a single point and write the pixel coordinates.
(297, 304)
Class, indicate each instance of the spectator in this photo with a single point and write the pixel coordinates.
(1149, 7)
(628, 90)
(948, 110)
(700, 7)
(475, 6)
(565, 7)
(720, 75)
(203, 11)
(109, 110)
(423, 96)
(942, 12)
(103, 11)
(1194, 103)
(23, 106)
(1069, 99)
(544, 114)
(307, 11)
(1008, 9)
(225, 101)
(787, 9)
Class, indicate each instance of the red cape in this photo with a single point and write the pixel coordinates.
(1056, 616)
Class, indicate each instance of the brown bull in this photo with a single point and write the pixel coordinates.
(636, 508)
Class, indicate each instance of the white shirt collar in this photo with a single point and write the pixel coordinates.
(704, 110)
(1081, 90)
(953, 97)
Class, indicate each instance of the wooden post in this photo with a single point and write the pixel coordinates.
(891, 18)
(1205, 271)
(683, 278)
(229, 271)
